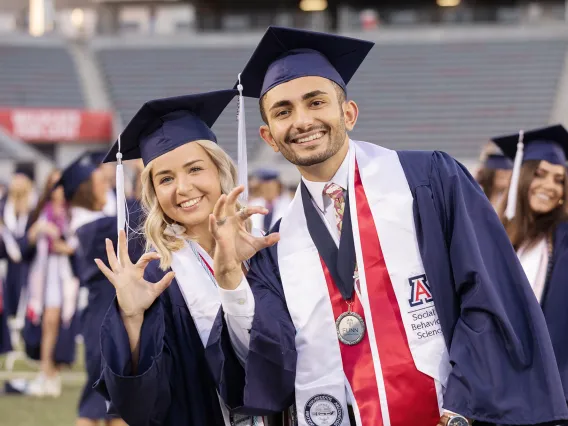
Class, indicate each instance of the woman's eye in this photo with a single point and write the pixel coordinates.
(195, 169)
(165, 180)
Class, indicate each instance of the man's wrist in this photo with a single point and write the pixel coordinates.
(449, 415)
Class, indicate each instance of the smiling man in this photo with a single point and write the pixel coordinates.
(393, 296)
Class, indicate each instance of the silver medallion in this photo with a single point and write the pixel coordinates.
(350, 328)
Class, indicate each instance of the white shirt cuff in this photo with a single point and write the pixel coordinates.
(238, 302)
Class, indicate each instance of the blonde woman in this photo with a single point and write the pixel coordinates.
(154, 337)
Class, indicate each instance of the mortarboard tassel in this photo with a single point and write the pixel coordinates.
(121, 220)
(514, 185)
(242, 143)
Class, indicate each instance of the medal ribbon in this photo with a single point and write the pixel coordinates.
(357, 360)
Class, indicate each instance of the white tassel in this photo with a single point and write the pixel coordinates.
(514, 185)
(121, 219)
(242, 144)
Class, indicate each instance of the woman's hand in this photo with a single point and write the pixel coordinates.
(134, 294)
(234, 244)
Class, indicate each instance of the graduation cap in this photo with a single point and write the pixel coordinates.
(498, 162)
(163, 125)
(285, 54)
(25, 168)
(267, 174)
(97, 157)
(75, 174)
(548, 143)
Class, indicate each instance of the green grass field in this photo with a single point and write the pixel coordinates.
(26, 411)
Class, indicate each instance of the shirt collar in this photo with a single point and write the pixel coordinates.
(340, 178)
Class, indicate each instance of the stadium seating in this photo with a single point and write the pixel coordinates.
(136, 75)
(38, 76)
(454, 96)
(450, 96)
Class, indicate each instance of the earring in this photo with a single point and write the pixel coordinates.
(561, 201)
(174, 230)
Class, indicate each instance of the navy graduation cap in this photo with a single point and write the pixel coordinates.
(267, 174)
(547, 143)
(75, 174)
(163, 125)
(97, 157)
(25, 168)
(498, 162)
(285, 54)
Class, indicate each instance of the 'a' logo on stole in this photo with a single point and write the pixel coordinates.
(420, 292)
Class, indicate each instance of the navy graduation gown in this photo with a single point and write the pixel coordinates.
(64, 352)
(5, 340)
(101, 293)
(16, 274)
(172, 385)
(503, 363)
(554, 302)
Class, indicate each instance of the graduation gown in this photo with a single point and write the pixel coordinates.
(172, 385)
(65, 346)
(5, 339)
(16, 273)
(101, 292)
(502, 367)
(552, 302)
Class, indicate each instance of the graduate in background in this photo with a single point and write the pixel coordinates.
(494, 174)
(15, 211)
(51, 299)
(253, 186)
(7, 244)
(109, 174)
(272, 196)
(85, 188)
(154, 336)
(537, 225)
(394, 295)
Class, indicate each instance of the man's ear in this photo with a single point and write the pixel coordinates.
(350, 113)
(266, 135)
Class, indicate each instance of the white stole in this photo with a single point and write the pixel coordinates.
(16, 225)
(54, 269)
(535, 264)
(307, 296)
(202, 298)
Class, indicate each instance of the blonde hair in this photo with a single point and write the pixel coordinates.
(156, 221)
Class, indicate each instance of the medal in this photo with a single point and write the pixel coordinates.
(350, 327)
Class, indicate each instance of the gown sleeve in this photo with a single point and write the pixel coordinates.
(270, 366)
(142, 398)
(503, 365)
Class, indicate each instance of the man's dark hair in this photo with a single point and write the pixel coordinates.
(341, 96)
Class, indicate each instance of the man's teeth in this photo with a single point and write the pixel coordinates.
(310, 138)
(190, 203)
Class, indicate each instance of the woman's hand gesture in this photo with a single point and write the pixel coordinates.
(133, 292)
(233, 243)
